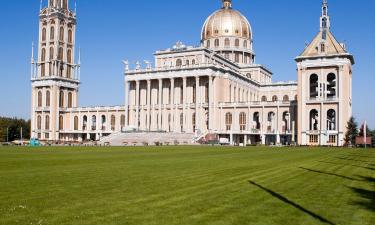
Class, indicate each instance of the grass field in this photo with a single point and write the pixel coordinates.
(186, 185)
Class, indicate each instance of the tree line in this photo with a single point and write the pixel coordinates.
(353, 132)
(10, 129)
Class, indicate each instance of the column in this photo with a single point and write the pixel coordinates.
(197, 102)
(173, 111)
(148, 105)
(184, 104)
(160, 103)
(127, 100)
(137, 105)
(210, 103)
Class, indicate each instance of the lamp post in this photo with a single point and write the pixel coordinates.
(7, 134)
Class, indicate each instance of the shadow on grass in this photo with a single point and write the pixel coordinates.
(351, 159)
(295, 205)
(368, 196)
(331, 174)
(363, 167)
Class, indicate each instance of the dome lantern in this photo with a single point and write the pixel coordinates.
(227, 4)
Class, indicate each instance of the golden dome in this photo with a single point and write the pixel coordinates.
(226, 22)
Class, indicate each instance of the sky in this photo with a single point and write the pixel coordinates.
(113, 30)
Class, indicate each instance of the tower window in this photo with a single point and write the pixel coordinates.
(314, 86)
(61, 123)
(314, 120)
(237, 43)
(70, 36)
(216, 42)
(322, 48)
(44, 34)
(208, 44)
(70, 100)
(227, 42)
(245, 44)
(61, 33)
(48, 99)
(47, 123)
(40, 99)
(61, 99)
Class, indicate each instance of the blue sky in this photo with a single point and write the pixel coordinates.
(112, 30)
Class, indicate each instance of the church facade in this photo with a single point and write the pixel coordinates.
(214, 89)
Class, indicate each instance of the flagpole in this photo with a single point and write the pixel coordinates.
(365, 133)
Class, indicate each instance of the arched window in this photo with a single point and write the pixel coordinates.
(122, 121)
(40, 99)
(61, 54)
(61, 99)
(331, 85)
(61, 33)
(271, 122)
(324, 23)
(187, 62)
(193, 62)
(331, 119)
(178, 63)
(70, 100)
(322, 47)
(104, 121)
(226, 42)
(248, 75)
(43, 57)
(44, 33)
(84, 124)
(113, 122)
(51, 53)
(39, 122)
(256, 121)
(286, 119)
(68, 71)
(286, 98)
(217, 43)
(245, 44)
(237, 43)
(69, 56)
(76, 123)
(43, 70)
(48, 99)
(93, 122)
(314, 120)
(313, 86)
(242, 121)
(264, 98)
(61, 123)
(47, 122)
(228, 121)
(208, 44)
(70, 36)
(274, 98)
(65, 4)
(52, 34)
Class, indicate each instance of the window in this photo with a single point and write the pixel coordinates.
(208, 44)
(70, 36)
(331, 119)
(227, 42)
(207, 96)
(264, 98)
(242, 121)
(43, 70)
(70, 100)
(43, 57)
(181, 94)
(51, 53)
(187, 62)
(331, 85)
(245, 44)
(322, 48)
(52, 34)
(194, 94)
(113, 122)
(61, 54)
(178, 63)
(47, 123)
(84, 124)
(104, 121)
(237, 58)
(61, 99)
(314, 139)
(286, 98)
(40, 99)
(256, 121)
(286, 119)
(122, 121)
(61, 33)
(216, 42)
(314, 120)
(39, 122)
(274, 98)
(193, 62)
(48, 99)
(65, 4)
(313, 86)
(44, 31)
(76, 123)
(61, 123)
(228, 121)
(332, 139)
(237, 43)
(93, 123)
(69, 56)
(193, 121)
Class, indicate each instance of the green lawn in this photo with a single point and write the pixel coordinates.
(186, 185)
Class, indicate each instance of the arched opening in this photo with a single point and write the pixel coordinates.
(43, 58)
(47, 122)
(70, 36)
(103, 122)
(48, 99)
(178, 63)
(40, 99)
(61, 33)
(274, 98)
(242, 121)
(216, 43)
(322, 47)
(122, 122)
(44, 33)
(187, 63)
(113, 122)
(84, 124)
(245, 44)
(228, 121)
(208, 44)
(51, 53)
(61, 99)
(256, 121)
(39, 122)
(286, 119)
(70, 100)
(52, 34)
(331, 119)
(237, 43)
(193, 62)
(264, 98)
(61, 123)
(286, 98)
(331, 85)
(69, 56)
(271, 122)
(61, 54)
(93, 122)
(314, 120)
(313, 86)
(226, 42)
(76, 123)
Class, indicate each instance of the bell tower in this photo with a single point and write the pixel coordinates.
(324, 88)
(54, 73)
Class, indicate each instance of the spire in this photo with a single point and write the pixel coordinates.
(324, 19)
(227, 4)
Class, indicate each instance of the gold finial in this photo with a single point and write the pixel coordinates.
(227, 4)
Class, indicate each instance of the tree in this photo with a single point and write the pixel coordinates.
(351, 133)
(11, 127)
(362, 133)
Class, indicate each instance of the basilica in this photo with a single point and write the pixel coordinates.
(216, 92)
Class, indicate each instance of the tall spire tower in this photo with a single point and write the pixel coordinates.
(55, 75)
